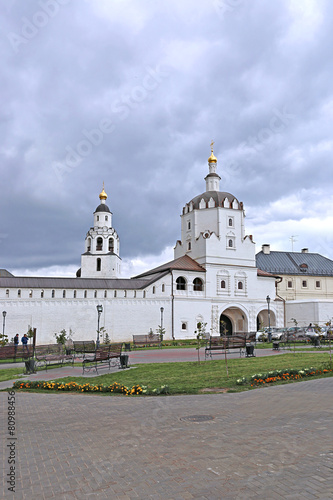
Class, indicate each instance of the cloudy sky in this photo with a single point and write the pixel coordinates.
(132, 93)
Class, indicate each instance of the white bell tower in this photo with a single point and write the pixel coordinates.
(101, 257)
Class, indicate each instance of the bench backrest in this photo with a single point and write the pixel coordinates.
(55, 349)
(84, 346)
(11, 351)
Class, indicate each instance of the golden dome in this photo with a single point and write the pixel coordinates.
(212, 158)
(103, 195)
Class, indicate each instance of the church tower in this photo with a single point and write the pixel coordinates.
(101, 257)
(212, 226)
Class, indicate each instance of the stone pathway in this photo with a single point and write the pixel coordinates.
(270, 443)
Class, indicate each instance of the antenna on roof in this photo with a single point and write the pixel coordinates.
(293, 239)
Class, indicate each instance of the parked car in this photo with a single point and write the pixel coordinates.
(278, 333)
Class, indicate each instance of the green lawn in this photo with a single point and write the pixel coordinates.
(192, 377)
(9, 373)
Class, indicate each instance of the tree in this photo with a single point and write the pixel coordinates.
(200, 334)
(61, 337)
(161, 331)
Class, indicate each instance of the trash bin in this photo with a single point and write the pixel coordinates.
(276, 346)
(317, 342)
(124, 361)
(127, 346)
(30, 366)
(249, 350)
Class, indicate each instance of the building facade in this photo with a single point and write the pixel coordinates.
(213, 279)
(305, 284)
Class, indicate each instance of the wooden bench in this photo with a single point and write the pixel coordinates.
(222, 345)
(146, 340)
(46, 355)
(12, 352)
(104, 355)
(82, 348)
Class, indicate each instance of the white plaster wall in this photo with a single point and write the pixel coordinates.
(306, 312)
(110, 266)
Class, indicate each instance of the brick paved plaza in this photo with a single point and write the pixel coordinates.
(270, 443)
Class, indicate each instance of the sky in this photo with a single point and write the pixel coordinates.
(132, 93)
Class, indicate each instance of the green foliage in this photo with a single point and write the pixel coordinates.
(4, 339)
(201, 336)
(61, 337)
(161, 331)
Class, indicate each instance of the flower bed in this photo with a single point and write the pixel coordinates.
(282, 375)
(73, 386)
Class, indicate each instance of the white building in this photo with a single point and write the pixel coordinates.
(213, 279)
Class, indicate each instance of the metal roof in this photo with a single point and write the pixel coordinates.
(295, 263)
(78, 283)
(218, 197)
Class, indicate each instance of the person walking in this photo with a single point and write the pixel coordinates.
(24, 341)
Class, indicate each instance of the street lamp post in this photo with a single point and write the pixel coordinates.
(99, 312)
(269, 319)
(3, 323)
(161, 333)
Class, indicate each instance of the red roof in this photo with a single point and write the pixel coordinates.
(184, 263)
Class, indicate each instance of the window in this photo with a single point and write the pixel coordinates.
(230, 222)
(19, 293)
(189, 245)
(184, 325)
(106, 217)
(30, 294)
(115, 293)
(163, 287)
(7, 293)
(197, 285)
(240, 285)
(64, 294)
(42, 294)
(97, 218)
(189, 225)
(230, 243)
(223, 285)
(99, 244)
(144, 295)
(181, 283)
(95, 294)
(85, 294)
(125, 293)
(154, 289)
(290, 284)
(134, 293)
(105, 294)
(317, 284)
(53, 294)
(98, 265)
(89, 244)
(74, 294)
(111, 245)
(304, 284)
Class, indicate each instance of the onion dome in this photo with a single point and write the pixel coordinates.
(102, 194)
(212, 158)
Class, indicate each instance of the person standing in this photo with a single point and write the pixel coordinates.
(16, 343)
(24, 341)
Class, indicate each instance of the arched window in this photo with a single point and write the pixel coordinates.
(189, 245)
(99, 243)
(230, 244)
(74, 294)
(19, 293)
(53, 294)
(106, 217)
(144, 295)
(64, 294)
(42, 294)
(88, 244)
(95, 294)
(154, 289)
(115, 293)
(98, 264)
(111, 245)
(105, 294)
(7, 293)
(230, 223)
(189, 225)
(184, 325)
(163, 287)
(85, 294)
(197, 285)
(223, 285)
(30, 294)
(181, 283)
(240, 285)
(134, 293)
